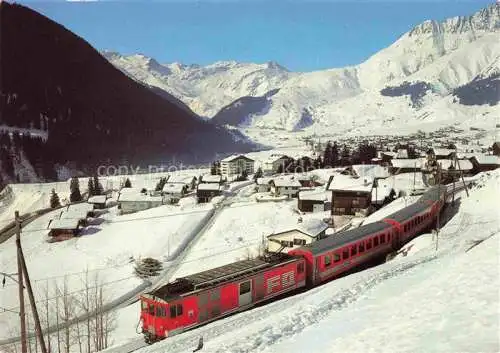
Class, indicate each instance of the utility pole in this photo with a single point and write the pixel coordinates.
(461, 175)
(24, 270)
(22, 315)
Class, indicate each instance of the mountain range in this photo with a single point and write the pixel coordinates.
(83, 111)
(438, 73)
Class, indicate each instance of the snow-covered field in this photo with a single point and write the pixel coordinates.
(106, 247)
(429, 301)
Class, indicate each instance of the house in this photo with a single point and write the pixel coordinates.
(295, 236)
(398, 166)
(441, 153)
(134, 202)
(263, 184)
(496, 148)
(274, 162)
(386, 157)
(369, 170)
(314, 201)
(306, 181)
(350, 195)
(211, 179)
(455, 167)
(482, 163)
(64, 228)
(97, 201)
(173, 192)
(187, 181)
(285, 186)
(205, 192)
(233, 166)
(402, 153)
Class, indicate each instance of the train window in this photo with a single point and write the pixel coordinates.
(244, 287)
(354, 250)
(361, 248)
(151, 309)
(173, 311)
(382, 238)
(375, 241)
(328, 261)
(215, 294)
(336, 257)
(144, 306)
(368, 244)
(345, 254)
(159, 312)
(179, 309)
(203, 298)
(300, 267)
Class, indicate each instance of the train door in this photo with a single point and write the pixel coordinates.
(260, 290)
(396, 236)
(245, 297)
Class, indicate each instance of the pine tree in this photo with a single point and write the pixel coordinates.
(148, 267)
(258, 174)
(161, 183)
(345, 156)
(213, 169)
(54, 199)
(74, 188)
(90, 188)
(193, 183)
(98, 189)
(335, 154)
(127, 184)
(327, 155)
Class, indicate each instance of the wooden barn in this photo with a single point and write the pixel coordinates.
(295, 236)
(314, 201)
(205, 192)
(98, 201)
(64, 228)
(350, 195)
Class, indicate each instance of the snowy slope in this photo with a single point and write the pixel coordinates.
(428, 301)
(440, 56)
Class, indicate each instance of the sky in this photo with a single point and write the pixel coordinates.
(300, 35)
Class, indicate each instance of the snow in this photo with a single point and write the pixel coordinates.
(97, 199)
(209, 186)
(66, 223)
(139, 197)
(316, 195)
(311, 227)
(348, 183)
(408, 163)
(207, 178)
(173, 188)
(483, 159)
(439, 300)
(286, 181)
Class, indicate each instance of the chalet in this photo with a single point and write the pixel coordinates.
(186, 181)
(398, 166)
(65, 228)
(455, 167)
(263, 184)
(97, 201)
(482, 163)
(350, 195)
(314, 201)
(211, 179)
(233, 166)
(134, 202)
(273, 164)
(295, 236)
(496, 148)
(285, 186)
(173, 192)
(386, 157)
(205, 192)
(441, 153)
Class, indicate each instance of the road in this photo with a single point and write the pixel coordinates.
(131, 297)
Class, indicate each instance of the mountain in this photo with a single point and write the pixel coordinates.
(407, 84)
(54, 82)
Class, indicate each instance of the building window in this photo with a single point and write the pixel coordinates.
(345, 254)
(299, 242)
(244, 287)
(287, 243)
(300, 267)
(328, 261)
(336, 257)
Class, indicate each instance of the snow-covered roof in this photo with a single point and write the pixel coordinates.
(209, 186)
(315, 195)
(264, 181)
(73, 215)
(442, 151)
(464, 164)
(80, 207)
(236, 156)
(68, 223)
(97, 199)
(408, 163)
(175, 188)
(310, 227)
(371, 170)
(208, 178)
(130, 191)
(483, 159)
(139, 197)
(388, 153)
(288, 181)
(348, 183)
(275, 158)
(180, 179)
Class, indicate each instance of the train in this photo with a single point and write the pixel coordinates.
(203, 297)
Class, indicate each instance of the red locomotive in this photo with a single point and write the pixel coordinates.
(207, 296)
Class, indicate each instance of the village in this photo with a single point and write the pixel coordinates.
(327, 192)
